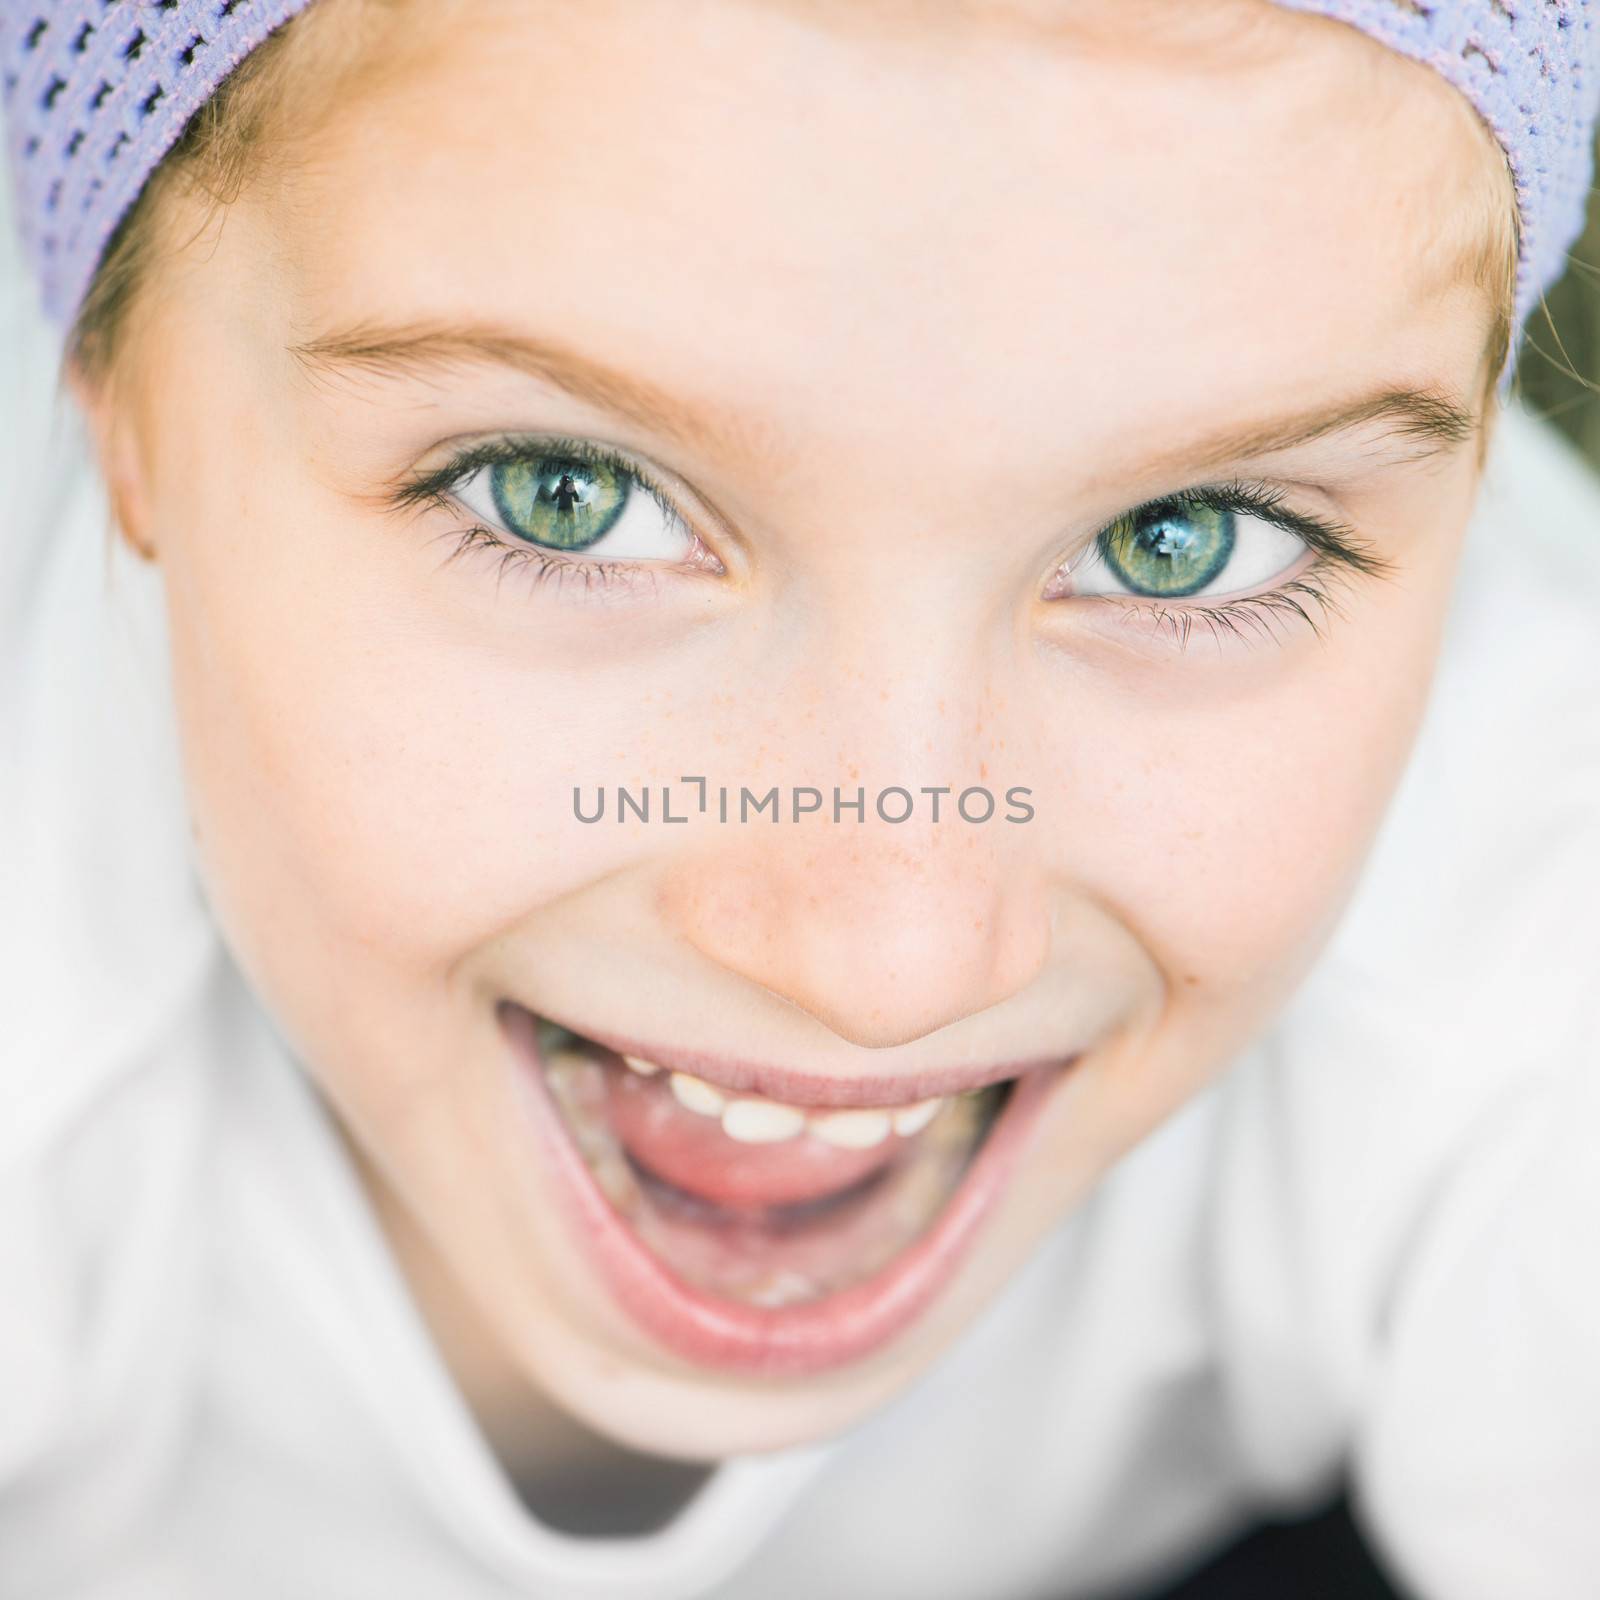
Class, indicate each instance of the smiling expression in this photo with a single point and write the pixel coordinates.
(803, 396)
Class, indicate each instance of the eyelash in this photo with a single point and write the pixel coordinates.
(1341, 554)
(542, 566)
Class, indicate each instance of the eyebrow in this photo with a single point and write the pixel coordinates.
(1425, 418)
(1430, 421)
(415, 349)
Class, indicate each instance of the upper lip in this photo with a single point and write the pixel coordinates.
(739, 1076)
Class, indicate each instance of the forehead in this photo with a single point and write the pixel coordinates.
(932, 221)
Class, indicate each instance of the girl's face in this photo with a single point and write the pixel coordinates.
(1075, 399)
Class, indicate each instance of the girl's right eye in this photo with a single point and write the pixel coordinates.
(572, 503)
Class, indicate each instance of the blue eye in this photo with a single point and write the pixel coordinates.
(557, 501)
(569, 498)
(1185, 546)
(1173, 549)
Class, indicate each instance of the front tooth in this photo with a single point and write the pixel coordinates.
(850, 1130)
(913, 1119)
(645, 1069)
(695, 1094)
(761, 1121)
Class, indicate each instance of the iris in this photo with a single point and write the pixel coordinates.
(1172, 548)
(558, 501)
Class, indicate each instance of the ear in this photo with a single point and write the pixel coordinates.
(113, 436)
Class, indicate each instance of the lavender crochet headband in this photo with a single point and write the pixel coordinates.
(96, 92)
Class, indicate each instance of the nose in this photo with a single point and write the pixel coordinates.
(882, 935)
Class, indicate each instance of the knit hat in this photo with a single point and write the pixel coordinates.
(96, 92)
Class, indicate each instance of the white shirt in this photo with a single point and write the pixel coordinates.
(1371, 1247)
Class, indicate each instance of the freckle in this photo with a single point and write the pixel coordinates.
(1190, 977)
(983, 769)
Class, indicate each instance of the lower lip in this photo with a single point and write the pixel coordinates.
(789, 1340)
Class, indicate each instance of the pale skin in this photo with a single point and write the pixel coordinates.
(938, 299)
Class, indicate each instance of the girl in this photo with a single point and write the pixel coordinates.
(802, 843)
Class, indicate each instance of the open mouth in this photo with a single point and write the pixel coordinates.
(748, 1231)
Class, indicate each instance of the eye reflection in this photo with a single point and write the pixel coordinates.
(559, 502)
(1171, 548)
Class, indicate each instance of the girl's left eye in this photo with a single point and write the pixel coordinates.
(574, 505)
(1181, 548)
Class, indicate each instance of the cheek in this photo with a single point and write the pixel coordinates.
(1225, 822)
(1226, 799)
(370, 797)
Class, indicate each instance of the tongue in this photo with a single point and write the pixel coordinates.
(693, 1153)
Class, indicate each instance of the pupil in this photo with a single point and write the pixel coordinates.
(566, 493)
(1168, 538)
